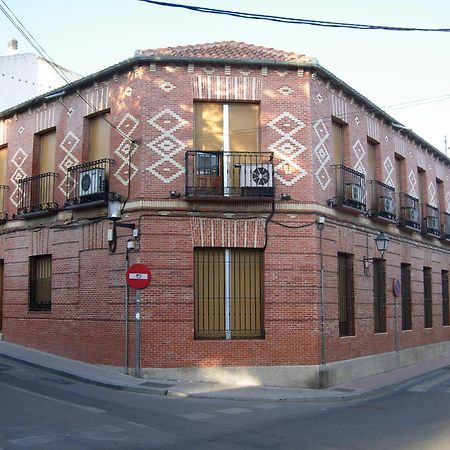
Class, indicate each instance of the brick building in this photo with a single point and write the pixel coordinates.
(257, 181)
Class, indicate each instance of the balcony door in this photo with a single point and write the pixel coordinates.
(225, 132)
(42, 189)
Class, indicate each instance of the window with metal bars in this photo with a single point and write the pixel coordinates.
(40, 283)
(228, 293)
(379, 295)
(427, 298)
(445, 299)
(346, 295)
(406, 296)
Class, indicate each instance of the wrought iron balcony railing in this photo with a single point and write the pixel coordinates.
(445, 234)
(3, 214)
(431, 223)
(88, 182)
(229, 175)
(382, 200)
(350, 189)
(36, 194)
(409, 212)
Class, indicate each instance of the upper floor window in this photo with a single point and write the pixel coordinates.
(3, 165)
(47, 150)
(228, 127)
(99, 137)
(338, 142)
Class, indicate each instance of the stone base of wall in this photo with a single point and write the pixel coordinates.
(312, 376)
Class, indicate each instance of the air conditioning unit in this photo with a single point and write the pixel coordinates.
(432, 222)
(256, 179)
(91, 182)
(354, 192)
(386, 204)
(411, 214)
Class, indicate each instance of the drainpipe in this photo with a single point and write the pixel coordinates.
(323, 381)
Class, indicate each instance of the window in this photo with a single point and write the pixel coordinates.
(427, 297)
(3, 165)
(406, 296)
(228, 293)
(372, 154)
(229, 127)
(99, 137)
(42, 191)
(338, 142)
(379, 295)
(445, 299)
(40, 283)
(346, 295)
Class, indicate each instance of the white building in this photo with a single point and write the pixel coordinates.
(26, 75)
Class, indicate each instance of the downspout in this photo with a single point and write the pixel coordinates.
(323, 376)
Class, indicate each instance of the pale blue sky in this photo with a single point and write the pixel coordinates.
(389, 68)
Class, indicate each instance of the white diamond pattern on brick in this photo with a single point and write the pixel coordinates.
(359, 152)
(125, 151)
(432, 193)
(412, 182)
(68, 145)
(322, 154)
(285, 91)
(167, 86)
(287, 148)
(166, 146)
(389, 171)
(18, 160)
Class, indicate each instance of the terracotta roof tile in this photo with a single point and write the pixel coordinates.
(226, 50)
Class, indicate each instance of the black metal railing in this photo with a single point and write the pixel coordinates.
(350, 188)
(88, 182)
(229, 174)
(3, 213)
(445, 226)
(36, 194)
(409, 211)
(382, 200)
(431, 223)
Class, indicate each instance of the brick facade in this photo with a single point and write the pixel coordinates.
(150, 101)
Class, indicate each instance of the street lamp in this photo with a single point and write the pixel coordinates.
(114, 214)
(382, 244)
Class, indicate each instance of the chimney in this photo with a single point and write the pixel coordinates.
(13, 46)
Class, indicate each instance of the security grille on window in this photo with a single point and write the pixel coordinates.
(406, 296)
(346, 295)
(40, 283)
(379, 295)
(228, 292)
(427, 297)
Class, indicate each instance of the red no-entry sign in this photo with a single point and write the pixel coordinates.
(138, 276)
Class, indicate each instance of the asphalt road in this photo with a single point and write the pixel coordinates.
(41, 410)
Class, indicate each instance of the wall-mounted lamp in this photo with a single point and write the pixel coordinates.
(175, 194)
(114, 214)
(382, 243)
(285, 197)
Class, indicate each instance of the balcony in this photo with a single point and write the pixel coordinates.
(3, 214)
(350, 190)
(445, 226)
(36, 194)
(409, 212)
(430, 225)
(87, 183)
(382, 201)
(229, 175)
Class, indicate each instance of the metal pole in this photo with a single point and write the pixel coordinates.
(137, 368)
(126, 315)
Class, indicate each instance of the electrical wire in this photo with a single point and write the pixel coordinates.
(293, 20)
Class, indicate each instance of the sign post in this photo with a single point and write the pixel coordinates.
(138, 277)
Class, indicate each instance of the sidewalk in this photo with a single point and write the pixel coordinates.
(114, 379)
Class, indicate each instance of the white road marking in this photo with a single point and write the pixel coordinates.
(197, 416)
(56, 400)
(425, 386)
(234, 411)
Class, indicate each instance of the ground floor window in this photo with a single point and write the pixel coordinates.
(228, 291)
(445, 299)
(406, 296)
(379, 295)
(346, 295)
(427, 297)
(40, 283)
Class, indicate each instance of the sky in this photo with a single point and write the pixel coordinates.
(394, 70)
